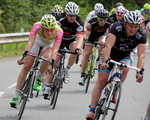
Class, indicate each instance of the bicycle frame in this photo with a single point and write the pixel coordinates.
(92, 58)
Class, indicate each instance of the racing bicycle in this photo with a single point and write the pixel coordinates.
(106, 109)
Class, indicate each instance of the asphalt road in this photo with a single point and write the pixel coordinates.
(72, 103)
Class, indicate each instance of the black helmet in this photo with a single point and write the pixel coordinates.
(118, 4)
(103, 13)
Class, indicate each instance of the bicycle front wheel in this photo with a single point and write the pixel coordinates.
(87, 82)
(25, 95)
(111, 109)
(55, 92)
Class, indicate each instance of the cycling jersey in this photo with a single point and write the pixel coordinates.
(123, 44)
(70, 29)
(96, 30)
(91, 15)
(37, 29)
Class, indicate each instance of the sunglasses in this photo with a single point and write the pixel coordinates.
(103, 19)
(72, 15)
(51, 30)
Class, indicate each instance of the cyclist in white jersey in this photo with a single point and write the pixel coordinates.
(92, 14)
(45, 34)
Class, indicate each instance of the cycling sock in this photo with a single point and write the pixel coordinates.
(48, 86)
(147, 118)
(17, 93)
(82, 74)
(40, 76)
(67, 68)
(92, 109)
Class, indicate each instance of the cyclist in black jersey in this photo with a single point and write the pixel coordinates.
(122, 39)
(118, 16)
(96, 29)
(73, 28)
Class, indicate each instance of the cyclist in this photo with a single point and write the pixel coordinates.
(57, 9)
(96, 29)
(145, 12)
(122, 39)
(48, 35)
(92, 14)
(147, 117)
(118, 16)
(113, 9)
(72, 25)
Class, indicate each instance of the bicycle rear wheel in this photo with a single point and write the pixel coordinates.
(110, 111)
(87, 82)
(24, 97)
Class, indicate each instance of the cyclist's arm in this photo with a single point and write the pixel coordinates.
(57, 42)
(33, 32)
(85, 24)
(79, 38)
(141, 59)
(109, 44)
(141, 55)
(30, 42)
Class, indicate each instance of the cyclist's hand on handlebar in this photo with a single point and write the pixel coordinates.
(51, 72)
(78, 51)
(139, 77)
(103, 66)
(20, 62)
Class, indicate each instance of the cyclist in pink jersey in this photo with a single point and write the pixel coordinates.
(45, 34)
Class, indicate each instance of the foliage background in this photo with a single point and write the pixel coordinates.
(19, 14)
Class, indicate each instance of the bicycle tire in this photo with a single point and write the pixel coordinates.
(24, 97)
(119, 84)
(89, 74)
(55, 93)
(113, 106)
(52, 94)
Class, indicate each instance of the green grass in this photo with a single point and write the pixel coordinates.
(10, 50)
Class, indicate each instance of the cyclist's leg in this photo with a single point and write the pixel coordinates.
(49, 78)
(87, 52)
(47, 50)
(96, 93)
(102, 40)
(84, 62)
(21, 79)
(128, 59)
(70, 45)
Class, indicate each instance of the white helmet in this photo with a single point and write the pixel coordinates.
(120, 11)
(98, 6)
(71, 8)
(133, 17)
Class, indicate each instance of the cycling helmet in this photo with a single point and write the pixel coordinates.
(103, 14)
(133, 17)
(120, 11)
(98, 6)
(146, 6)
(118, 4)
(71, 8)
(48, 21)
(57, 9)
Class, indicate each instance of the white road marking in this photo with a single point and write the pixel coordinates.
(11, 86)
(1, 93)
